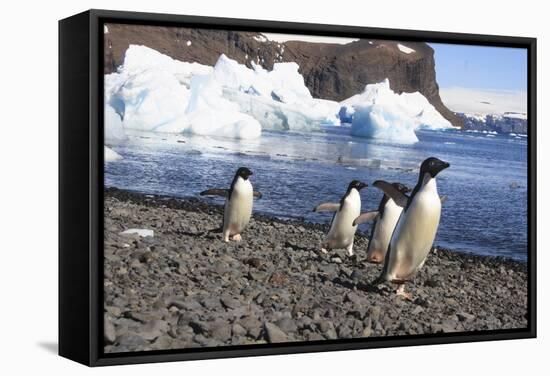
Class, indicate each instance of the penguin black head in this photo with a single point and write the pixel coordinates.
(243, 172)
(357, 185)
(401, 187)
(433, 166)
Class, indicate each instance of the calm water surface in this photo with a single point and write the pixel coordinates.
(486, 210)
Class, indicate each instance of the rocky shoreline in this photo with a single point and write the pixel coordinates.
(184, 287)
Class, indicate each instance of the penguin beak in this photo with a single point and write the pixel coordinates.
(440, 167)
(362, 185)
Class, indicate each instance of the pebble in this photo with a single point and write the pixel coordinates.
(274, 333)
(182, 288)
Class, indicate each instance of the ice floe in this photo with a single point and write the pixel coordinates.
(110, 155)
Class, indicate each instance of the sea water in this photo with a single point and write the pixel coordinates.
(486, 185)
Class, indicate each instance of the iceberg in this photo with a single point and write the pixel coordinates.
(209, 113)
(153, 92)
(380, 113)
(114, 132)
(109, 155)
(278, 99)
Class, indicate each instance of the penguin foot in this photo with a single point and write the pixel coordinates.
(324, 250)
(225, 237)
(401, 292)
(237, 237)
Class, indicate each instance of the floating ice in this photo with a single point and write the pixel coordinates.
(380, 113)
(110, 155)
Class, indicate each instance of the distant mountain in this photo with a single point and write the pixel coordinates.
(505, 123)
(330, 71)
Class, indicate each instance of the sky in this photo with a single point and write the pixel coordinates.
(480, 79)
(490, 68)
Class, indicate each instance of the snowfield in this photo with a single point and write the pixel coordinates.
(485, 102)
(153, 92)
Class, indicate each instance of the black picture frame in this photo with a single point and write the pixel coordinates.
(81, 186)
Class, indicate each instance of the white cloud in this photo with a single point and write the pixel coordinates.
(483, 101)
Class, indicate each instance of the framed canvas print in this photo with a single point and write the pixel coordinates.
(238, 187)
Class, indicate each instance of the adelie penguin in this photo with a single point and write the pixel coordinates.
(342, 230)
(384, 223)
(415, 231)
(238, 204)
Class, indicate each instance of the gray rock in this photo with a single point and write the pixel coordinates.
(237, 330)
(464, 316)
(327, 328)
(252, 325)
(274, 334)
(230, 302)
(417, 310)
(131, 340)
(153, 329)
(287, 325)
(374, 313)
(109, 331)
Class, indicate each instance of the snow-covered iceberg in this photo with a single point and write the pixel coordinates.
(114, 132)
(153, 92)
(208, 113)
(380, 113)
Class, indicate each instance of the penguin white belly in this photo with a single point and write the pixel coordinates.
(414, 235)
(238, 208)
(342, 230)
(383, 230)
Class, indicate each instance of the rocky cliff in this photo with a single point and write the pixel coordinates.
(330, 71)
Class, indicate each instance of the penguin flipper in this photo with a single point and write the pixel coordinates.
(327, 206)
(257, 194)
(443, 199)
(215, 192)
(400, 198)
(365, 217)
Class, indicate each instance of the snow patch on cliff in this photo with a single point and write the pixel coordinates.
(405, 49)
